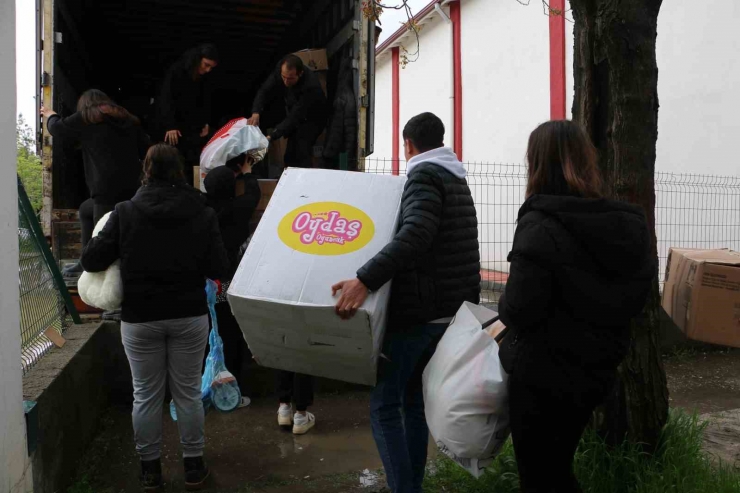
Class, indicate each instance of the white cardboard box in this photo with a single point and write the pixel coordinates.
(319, 228)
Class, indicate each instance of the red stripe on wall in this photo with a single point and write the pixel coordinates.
(396, 127)
(557, 59)
(457, 78)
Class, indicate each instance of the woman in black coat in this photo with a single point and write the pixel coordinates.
(113, 144)
(581, 269)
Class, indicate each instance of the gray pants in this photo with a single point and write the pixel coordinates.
(157, 350)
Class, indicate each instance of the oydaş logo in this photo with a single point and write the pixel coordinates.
(326, 228)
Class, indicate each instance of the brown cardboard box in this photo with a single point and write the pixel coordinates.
(196, 177)
(267, 187)
(702, 294)
(314, 59)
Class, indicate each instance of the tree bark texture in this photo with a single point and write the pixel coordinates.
(616, 99)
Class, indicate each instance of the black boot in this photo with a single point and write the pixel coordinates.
(151, 475)
(196, 473)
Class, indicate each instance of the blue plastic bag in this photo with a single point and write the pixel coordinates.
(218, 387)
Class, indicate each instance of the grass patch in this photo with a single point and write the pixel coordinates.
(679, 465)
(691, 350)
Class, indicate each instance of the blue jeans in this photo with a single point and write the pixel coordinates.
(397, 405)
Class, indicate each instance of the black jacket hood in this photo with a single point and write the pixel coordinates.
(613, 234)
(168, 202)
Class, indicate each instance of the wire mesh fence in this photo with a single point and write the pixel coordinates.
(691, 211)
(696, 211)
(42, 292)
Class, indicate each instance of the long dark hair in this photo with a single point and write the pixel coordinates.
(163, 164)
(95, 107)
(190, 60)
(562, 161)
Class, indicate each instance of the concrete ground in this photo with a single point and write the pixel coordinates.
(249, 453)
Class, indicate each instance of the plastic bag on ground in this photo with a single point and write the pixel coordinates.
(233, 139)
(102, 290)
(465, 392)
(218, 387)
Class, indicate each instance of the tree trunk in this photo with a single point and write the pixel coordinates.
(616, 99)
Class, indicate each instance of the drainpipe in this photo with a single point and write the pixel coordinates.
(457, 78)
(396, 104)
(557, 60)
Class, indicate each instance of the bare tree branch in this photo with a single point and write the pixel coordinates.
(373, 9)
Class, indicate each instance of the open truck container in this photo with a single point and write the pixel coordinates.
(125, 47)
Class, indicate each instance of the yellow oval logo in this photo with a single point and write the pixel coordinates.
(326, 228)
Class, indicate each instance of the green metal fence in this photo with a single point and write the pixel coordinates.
(45, 301)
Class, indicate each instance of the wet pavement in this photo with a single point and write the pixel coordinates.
(247, 451)
(704, 380)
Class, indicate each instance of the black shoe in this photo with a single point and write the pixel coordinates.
(151, 475)
(196, 473)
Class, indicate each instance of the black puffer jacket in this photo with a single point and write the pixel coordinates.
(581, 269)
(168, 242)
(433, 260)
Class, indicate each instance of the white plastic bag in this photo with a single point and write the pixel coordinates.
(102, 290)
(465, 392)
(233, 139)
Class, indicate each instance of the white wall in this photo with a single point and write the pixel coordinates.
(14, 474)
(698, 122)
(383, 112)
(506, 73)
(426, 84)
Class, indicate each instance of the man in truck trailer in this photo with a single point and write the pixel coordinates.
(305, 106)
(184, 104)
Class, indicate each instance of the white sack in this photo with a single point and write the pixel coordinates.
(102, 290)
(233, 139)
(465, 392)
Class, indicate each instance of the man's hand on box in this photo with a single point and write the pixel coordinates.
(354, 294)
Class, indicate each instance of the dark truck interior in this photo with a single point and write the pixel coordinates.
(125, 47)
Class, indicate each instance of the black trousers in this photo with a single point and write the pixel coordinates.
(236, 351)
(296, 388)
(91, 211)
(550, 405)
(299, 150)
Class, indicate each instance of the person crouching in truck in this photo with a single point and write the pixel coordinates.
(169, 243)
(434, 263)
(305, 105)
(113, 144)
(234, 215)
(184, 104)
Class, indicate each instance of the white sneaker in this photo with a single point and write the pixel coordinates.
(285, 415)
(302, 423)
(245, 402)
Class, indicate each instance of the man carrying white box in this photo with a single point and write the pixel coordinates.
(434, 263)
